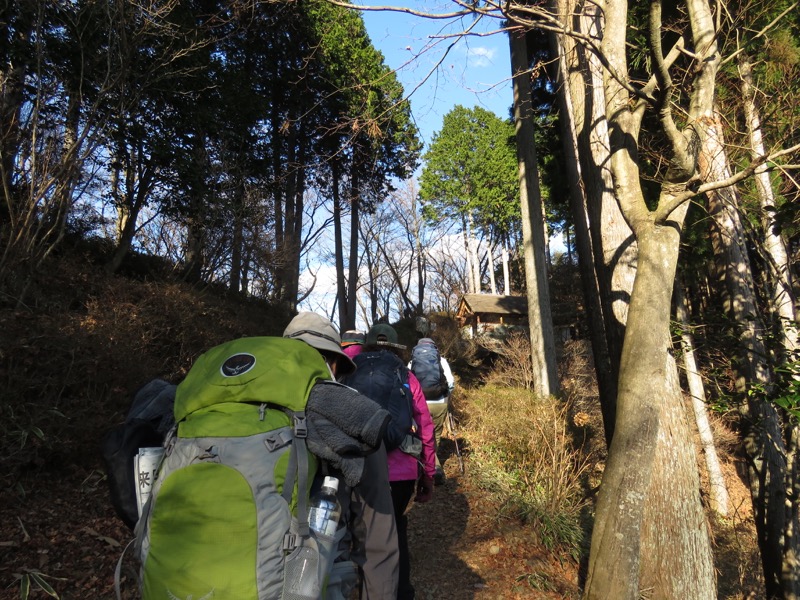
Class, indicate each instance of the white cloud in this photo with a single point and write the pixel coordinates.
(322, 298)
(480, 56)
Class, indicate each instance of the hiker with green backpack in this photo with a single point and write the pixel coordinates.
(256, 419)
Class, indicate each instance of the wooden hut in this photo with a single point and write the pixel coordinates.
(491, 314)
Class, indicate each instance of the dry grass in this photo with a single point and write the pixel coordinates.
(523, 455)
(513, 368)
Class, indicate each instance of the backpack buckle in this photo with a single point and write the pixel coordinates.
(289, 542)
(279, 439)
(300, 426)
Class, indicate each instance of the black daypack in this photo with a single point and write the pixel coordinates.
(146, 425)
(383, 377)
(426, 364)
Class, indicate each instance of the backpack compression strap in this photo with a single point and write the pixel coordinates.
(298, 464)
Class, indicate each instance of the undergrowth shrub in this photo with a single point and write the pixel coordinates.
(523, 457)
(513, 367)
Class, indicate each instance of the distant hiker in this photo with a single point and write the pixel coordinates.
(367, 509)
(384, 377)
(227, 515)
(436, 378)
(353, 342)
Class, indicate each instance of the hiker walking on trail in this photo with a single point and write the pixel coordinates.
(367, 508)
(227, 514)
(353, 342)
(383, 376)
(434, 375)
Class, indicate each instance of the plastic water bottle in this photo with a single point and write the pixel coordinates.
(324, 510)
(306, 569)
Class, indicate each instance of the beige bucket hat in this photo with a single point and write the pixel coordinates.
(318, 332)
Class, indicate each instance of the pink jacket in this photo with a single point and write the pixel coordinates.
(352, 350)
(402, 466)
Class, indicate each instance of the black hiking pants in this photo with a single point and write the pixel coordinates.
(402, 492)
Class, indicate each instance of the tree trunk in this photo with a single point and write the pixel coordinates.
(718, 490)
(12, 77)
(506, 275)
(615, 251)
(125, 239)
(370, 259)
(194, 254)
(419, 252)
(650, 537)
(352, 270)
(782, 293)
(572, 100)
(293, 214)
(490, 261)
(763, 442)
(540, 320)
(237, 239)
(473, 256)
(338, 248)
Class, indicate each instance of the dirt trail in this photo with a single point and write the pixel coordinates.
(459, 552)
(66, 528)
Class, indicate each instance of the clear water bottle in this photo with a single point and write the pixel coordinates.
(307, 567)
(324, 510)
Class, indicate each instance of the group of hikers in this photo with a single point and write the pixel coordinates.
(252, 432)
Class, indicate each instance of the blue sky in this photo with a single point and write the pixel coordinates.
(475, 71)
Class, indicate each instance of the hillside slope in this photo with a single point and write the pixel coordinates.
(73, 353)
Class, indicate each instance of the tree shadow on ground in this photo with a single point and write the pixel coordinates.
(434, 531)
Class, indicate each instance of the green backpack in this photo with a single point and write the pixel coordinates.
(227, 517)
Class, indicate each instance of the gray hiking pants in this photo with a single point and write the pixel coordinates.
(372, 541)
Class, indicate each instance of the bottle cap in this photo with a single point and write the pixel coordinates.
(331, 482)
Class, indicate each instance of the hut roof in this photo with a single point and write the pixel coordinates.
(493, 304)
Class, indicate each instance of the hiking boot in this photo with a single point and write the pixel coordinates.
(438, 477)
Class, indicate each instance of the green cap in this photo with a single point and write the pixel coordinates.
(382, 334)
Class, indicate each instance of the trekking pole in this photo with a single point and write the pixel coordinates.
(452, 422)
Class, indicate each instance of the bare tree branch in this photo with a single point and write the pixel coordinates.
(763, 32)
(662, 213)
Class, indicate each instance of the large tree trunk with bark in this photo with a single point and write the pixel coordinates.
(613, 241)
(540, 321)
(650, 537)
(583, 128)
(764, 444)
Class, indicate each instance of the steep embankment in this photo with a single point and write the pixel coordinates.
(72, 354)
